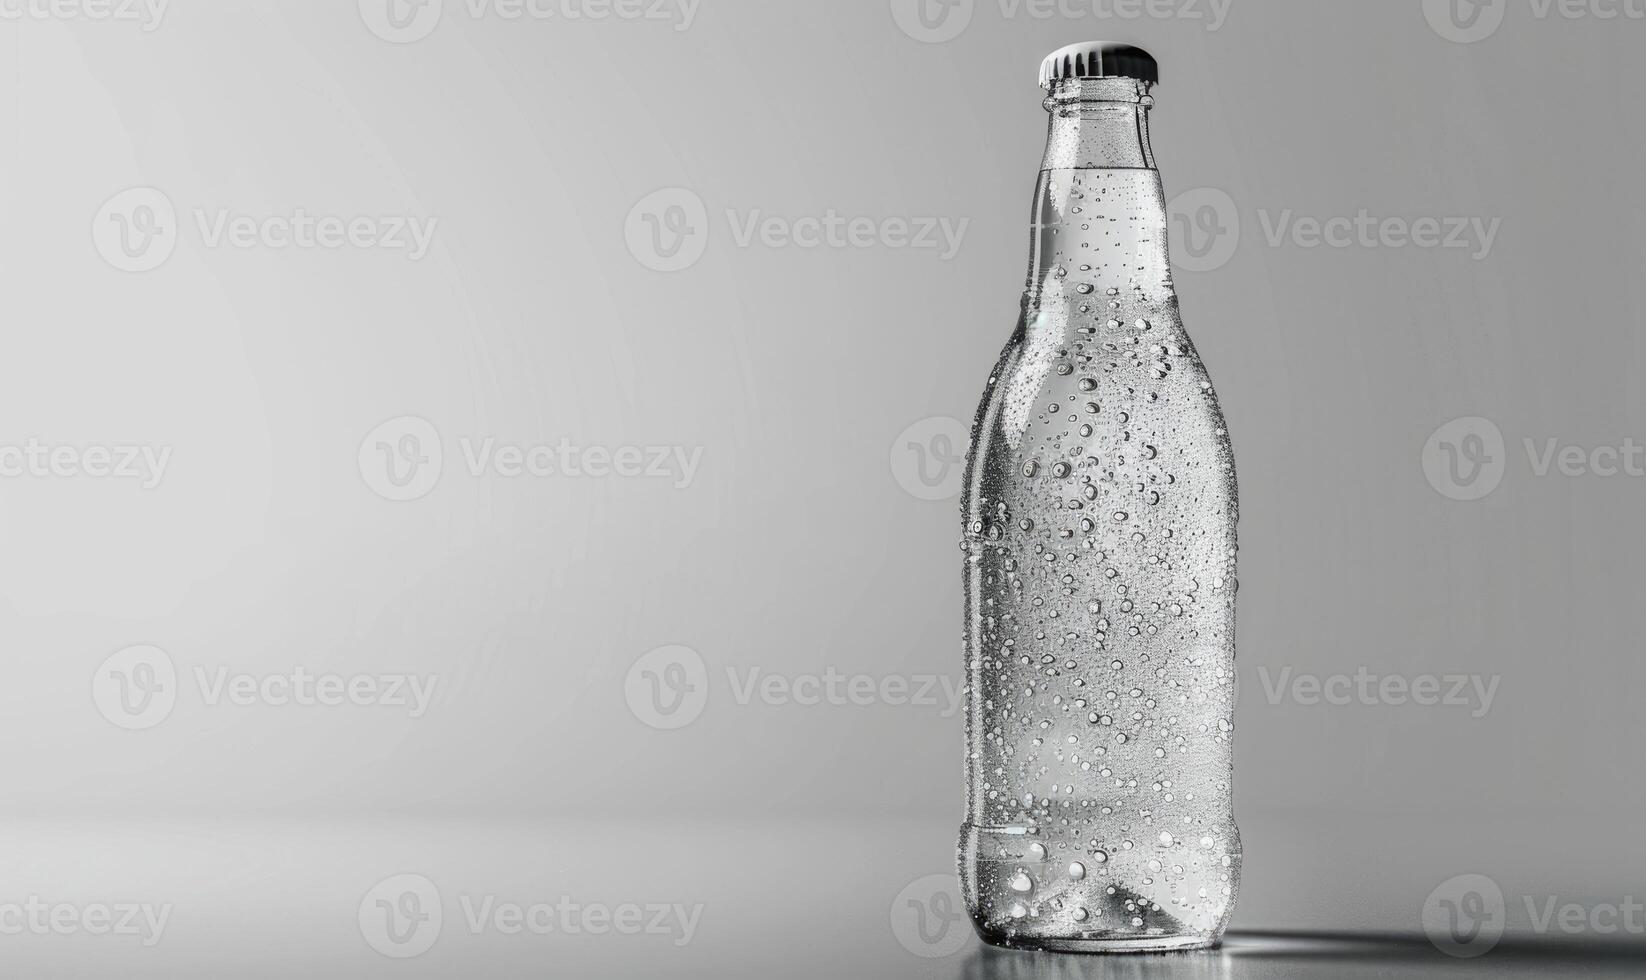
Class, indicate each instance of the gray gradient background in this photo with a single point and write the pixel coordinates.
(795, 549)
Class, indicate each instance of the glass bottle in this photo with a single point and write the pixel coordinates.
(1099, 523)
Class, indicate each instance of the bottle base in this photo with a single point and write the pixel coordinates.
(1117, 944)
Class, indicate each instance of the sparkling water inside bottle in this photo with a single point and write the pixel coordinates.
(1100, 588)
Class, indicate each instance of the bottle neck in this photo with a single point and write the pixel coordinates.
(1098, 192)
(1099, 122)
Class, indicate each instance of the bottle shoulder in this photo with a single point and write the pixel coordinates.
(1108, 412)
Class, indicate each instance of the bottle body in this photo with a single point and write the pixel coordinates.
(1099, 521)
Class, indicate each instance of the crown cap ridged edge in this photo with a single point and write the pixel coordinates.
(1095, 59)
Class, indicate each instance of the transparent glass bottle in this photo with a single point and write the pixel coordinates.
(1100, 513)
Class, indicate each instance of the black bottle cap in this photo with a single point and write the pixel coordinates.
(1094, 59)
